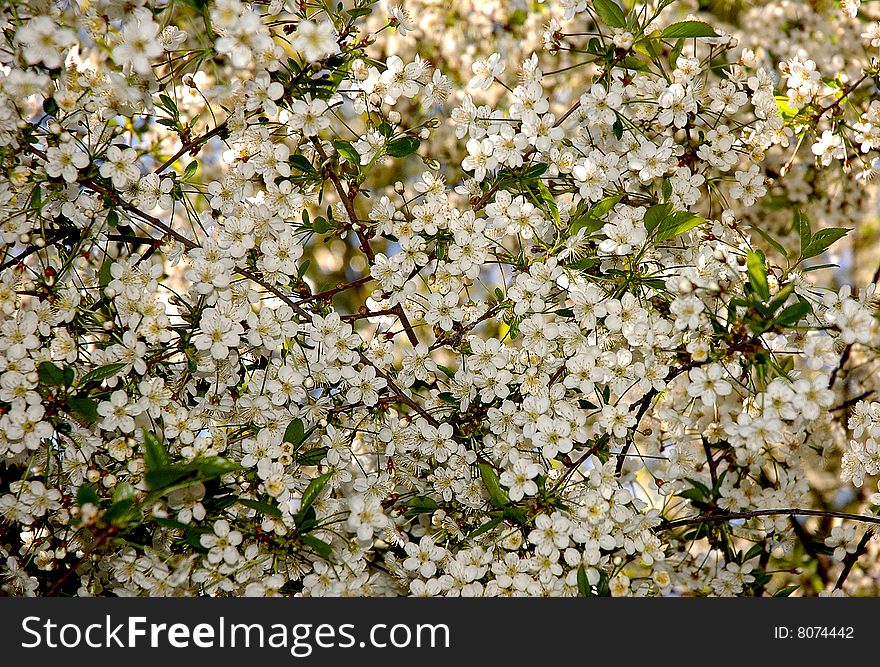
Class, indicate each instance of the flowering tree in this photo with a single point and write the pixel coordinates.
(326, 300)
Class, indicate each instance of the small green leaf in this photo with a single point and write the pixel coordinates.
(51, 375)
(358, 12)
(403, 147)
(320, 547)
(688, 29)
(190, 170)
(310, 495)
(264, 508)
(676, 224)
(758, 275)
(302, 163)
(214, 466)
(497, 495)
(162, 478)
(549, 201)
(123, 491)
(420, 505)
(584, 587)
(610, 12)
(655, 215)
(295, 433)
(86, 494)
(122, 514)
(155, 454)
(802, 224)
(787, 591)
(321, 226)
(822, 240)
(485, 528)
(605, 205)
(101, 373)
(773, 242)
(535, 171)
(313, 456)
(751, 553)
(793, 313)
(586, 222)
(86, 408)
(346, 150)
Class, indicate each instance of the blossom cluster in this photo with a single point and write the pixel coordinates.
(289, 308)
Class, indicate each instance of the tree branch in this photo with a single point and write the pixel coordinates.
(791, 511)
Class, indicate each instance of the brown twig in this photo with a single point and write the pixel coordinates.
(100, 538)
(191, 145)
(321, 296)
(399, 392)
(852, 558)
(791, 511)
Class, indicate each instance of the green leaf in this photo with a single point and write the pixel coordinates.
(310, 495)
(551, 203)
(584, 587)
(403, 147)
(605, 205)
(214, 466)
(689, 29)
(320, 547)
(758, 275)
(485, 528)
(313, 456)
(155, 454)
(585, 222)
(101, 373)
(168, 104)
(86, 494)
(787, 591)
(692, 494)
(301, 163)
(610, 12)
(702, 488)
(346, 150)
(802, 224)
(86, 408)
(321, 226)
(447, 371)
(358, 12)
(104, 275)
(773, 242)
(420, 505)
(822, 240)
(793, 313)
(497, 495)
(190, 170)
(677, 223)
(122, 514)
(295, 433)
(535, 171)
(264, 508)
(51, 375)
(162, 478)
(751, 553)
(123, 491)
(655, 215)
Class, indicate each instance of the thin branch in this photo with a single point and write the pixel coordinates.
(847, 351)
(790, 511)
(852, 558)
(322, 296)
(399, 392)
(191, 145)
